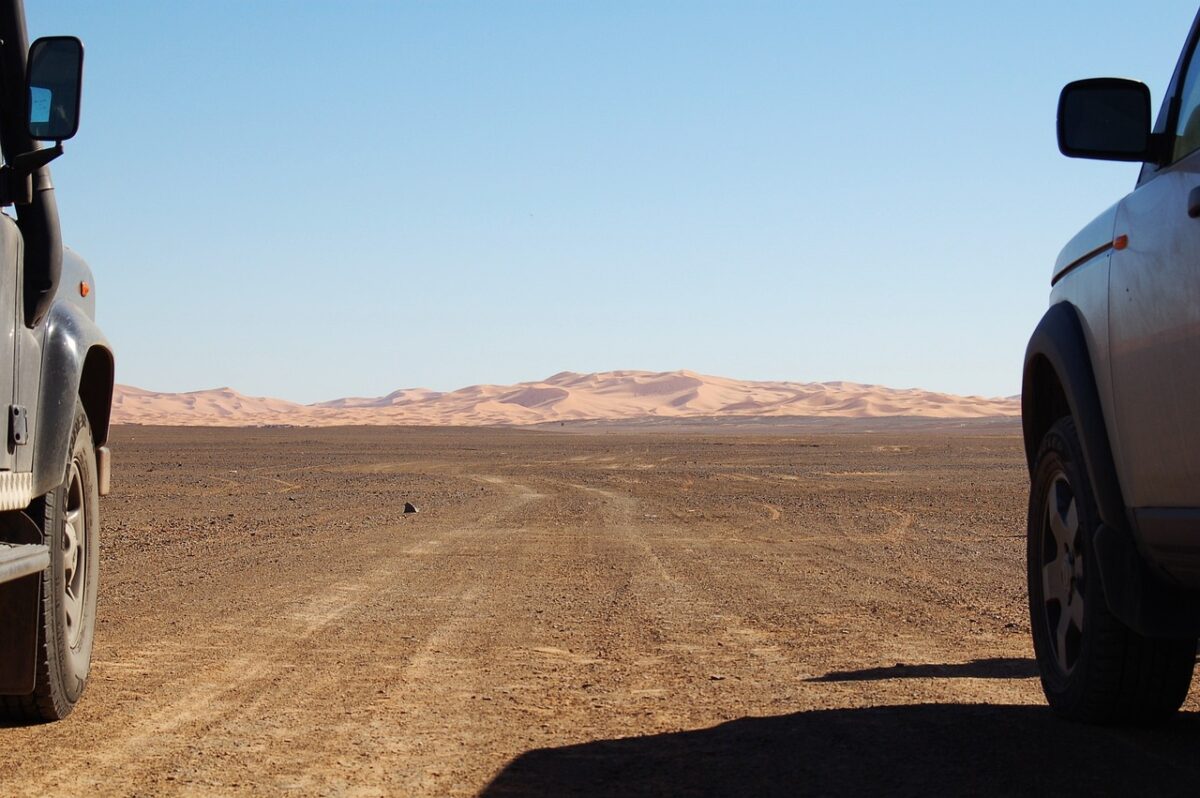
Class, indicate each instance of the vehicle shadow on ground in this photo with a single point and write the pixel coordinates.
(928, 749)
(993, 668)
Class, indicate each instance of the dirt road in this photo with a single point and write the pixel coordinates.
(592, 613)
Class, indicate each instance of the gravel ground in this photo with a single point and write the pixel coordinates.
(787, 610)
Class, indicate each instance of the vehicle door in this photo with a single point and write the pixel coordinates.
(1154, 321)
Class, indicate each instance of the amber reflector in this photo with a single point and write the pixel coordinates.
(84, 288)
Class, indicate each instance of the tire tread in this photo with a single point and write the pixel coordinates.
(1128, 677)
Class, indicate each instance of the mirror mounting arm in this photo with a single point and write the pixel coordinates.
(1158, 150)
(16, 186)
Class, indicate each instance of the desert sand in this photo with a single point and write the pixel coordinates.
(564, 397)
(584, 613)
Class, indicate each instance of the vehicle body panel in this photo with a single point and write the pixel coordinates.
(1091, 242)
(1155, 341)
(1085, 288)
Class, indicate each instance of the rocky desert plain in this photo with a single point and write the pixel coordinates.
(617, 584)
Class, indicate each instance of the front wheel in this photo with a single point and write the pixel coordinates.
(67, 613)
(1093, 667)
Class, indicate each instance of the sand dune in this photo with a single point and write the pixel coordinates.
(216, 407)
(567, 396)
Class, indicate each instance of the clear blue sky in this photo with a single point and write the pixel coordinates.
(318, 200)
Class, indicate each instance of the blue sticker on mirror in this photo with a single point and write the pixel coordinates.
(39, 104)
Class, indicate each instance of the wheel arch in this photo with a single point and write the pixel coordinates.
(96, 391)
(1058, 380)
(77, 366)
(1047, 402)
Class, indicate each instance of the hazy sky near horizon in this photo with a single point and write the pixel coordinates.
(311, 200)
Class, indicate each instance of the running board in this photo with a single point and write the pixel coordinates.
(16, 490)
(22, 560)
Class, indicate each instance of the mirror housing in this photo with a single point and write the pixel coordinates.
(1106, 119)
(54, 79)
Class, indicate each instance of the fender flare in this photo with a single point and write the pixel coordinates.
(72, 344)
(1058, 351)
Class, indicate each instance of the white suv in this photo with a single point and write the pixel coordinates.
(1111, 414)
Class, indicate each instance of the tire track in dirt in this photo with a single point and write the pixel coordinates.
(251, 654)
(687, 639)
(416, 705)
(422, 724)
(224, 682)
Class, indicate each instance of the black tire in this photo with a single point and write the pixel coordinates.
(1093, 667)
(71, 518)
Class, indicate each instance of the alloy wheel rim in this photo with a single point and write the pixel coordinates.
(1062, 573)
(74, 557)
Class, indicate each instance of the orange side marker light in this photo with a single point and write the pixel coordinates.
(84, 288)
(1120, 242)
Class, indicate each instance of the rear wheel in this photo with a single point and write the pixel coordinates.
(1093, 667)
(67, 611)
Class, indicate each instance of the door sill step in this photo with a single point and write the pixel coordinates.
(21, 560)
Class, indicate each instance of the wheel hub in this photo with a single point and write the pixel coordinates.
(1062, 573)
(74, 555)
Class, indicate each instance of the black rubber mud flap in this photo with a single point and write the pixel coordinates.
(1138, 597)
(19, 616)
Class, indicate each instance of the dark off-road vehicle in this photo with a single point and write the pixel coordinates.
(56, 370)
(1111, 414)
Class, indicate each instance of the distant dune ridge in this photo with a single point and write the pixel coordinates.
(567, 396)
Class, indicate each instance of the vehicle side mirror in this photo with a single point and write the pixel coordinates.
(54, 81)
(1105, 118)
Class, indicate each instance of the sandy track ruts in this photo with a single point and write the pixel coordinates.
(821, 614)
